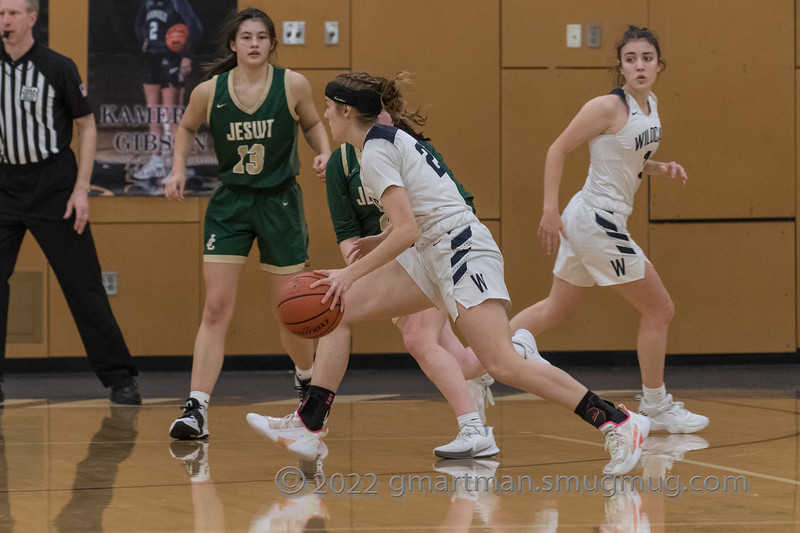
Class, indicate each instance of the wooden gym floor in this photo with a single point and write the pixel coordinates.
(70, 461)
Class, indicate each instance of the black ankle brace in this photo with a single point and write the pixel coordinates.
(597, 411)
(314, 411)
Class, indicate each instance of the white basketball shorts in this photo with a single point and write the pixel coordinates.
(464, 265)
(599, 249)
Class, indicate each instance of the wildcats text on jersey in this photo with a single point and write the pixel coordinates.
(254, 129)
(157, 14)
(650, 135)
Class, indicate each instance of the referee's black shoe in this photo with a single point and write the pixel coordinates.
(126, 392)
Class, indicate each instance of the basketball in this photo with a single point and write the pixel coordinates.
(176, 37)
(301, 310)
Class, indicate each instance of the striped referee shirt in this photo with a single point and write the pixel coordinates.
(41, 93)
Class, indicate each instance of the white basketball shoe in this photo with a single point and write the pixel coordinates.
(624, 442)
(472, 442)
(672, 416)
(525, 345)
(290, 433)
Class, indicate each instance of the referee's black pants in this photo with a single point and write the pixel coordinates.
(73, 259)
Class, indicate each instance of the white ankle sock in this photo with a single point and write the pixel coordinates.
(470, 419)
(201, 397)
(303, 374)
(655, 395)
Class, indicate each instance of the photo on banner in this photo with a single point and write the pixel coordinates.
(145, 57)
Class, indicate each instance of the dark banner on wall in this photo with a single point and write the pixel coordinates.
(40, 30)
(145, 57)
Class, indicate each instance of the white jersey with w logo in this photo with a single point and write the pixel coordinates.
(393, 157)
(455, 259)
(600, 250)
(617, 159)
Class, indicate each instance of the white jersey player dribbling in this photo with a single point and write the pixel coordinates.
(444, 255)
(457, 258)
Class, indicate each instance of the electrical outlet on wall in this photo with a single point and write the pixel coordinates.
(331, 32)
(294, 32)
(593, 36)
(573, 35)
(109, 282)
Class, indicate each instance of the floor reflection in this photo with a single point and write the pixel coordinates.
(6, 520)
(637, 505)
(96, 476)
(474, 493)
(90, 467)
(209, 511)
(303, 511)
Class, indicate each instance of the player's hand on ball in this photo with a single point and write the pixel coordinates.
(301, 309)
(338, 281)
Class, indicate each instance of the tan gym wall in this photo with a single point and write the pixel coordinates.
(498, 84)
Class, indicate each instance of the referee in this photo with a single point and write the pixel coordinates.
(44, 191)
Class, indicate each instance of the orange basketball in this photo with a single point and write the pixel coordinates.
(176, 37)
(301, 310)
